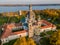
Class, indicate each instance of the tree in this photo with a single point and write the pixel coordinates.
(3, 20)
(21, 41)
(13, 19)
(30, 41)
(55, 38)
(24, 41)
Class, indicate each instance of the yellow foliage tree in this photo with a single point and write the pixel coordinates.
(24, 41)
(21, 41)
(55, 38)
(51, 12)
(30, 41)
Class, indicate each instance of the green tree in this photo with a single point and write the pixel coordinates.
(13, 19)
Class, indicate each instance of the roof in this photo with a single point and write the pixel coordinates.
(48, 24)
(8, 31)
(18, 32)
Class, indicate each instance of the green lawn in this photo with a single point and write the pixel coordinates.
(42, 34)
(44, 41)
(10, 43)
(49, 32)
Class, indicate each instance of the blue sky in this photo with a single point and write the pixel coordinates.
(29, 1)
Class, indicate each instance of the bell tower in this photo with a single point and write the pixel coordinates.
(31, 21)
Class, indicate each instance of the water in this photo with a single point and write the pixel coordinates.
(16, 8)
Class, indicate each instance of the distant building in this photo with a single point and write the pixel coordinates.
(20, 12)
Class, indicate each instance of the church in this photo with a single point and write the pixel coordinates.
(35, 27)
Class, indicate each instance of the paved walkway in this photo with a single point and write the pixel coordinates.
(37, 39)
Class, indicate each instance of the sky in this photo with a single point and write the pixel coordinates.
(29, 1)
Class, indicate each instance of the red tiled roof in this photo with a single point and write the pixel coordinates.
(8, 31)
(19, 32)
(48, 24)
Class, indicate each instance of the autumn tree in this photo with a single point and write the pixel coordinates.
(30, 41)
(24, 41)
(55, 38)
(21, 41)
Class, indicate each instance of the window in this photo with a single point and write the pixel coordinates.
(20, 35)
(6, 40)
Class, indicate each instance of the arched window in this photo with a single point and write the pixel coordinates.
(20, 35)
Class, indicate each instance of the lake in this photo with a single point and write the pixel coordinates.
(16, 8)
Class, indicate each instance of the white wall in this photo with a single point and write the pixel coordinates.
(5, 40)
(48, 29)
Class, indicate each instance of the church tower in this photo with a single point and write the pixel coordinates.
(31, 21)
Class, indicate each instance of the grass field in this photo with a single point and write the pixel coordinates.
(10, 43)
